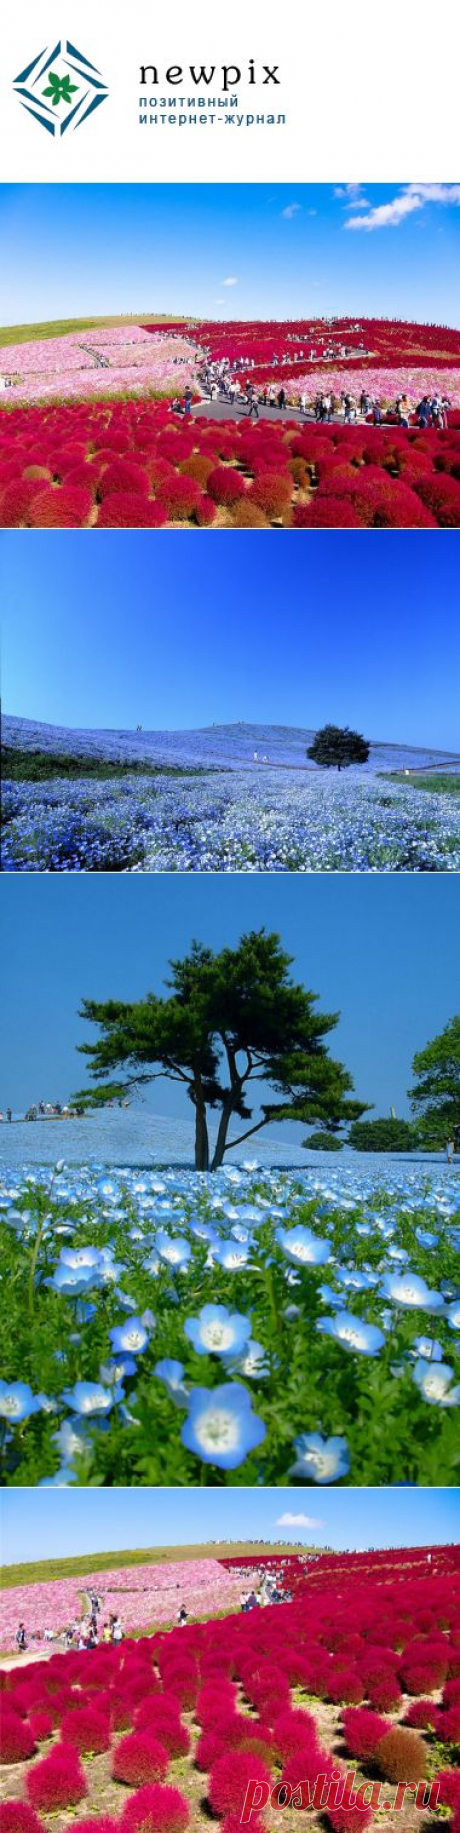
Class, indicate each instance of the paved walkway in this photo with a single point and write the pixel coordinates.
(225, 410)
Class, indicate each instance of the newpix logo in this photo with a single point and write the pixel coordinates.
(60, 88)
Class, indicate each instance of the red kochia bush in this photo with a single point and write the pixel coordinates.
(120, 510)
(156, 1810)
(179, 496)
(18, 1817)
(348, 1820)
(16, 1738)
(363, 1730)
(225, 486)
(160, 1715)
(15, 502)
(124, 475)
(422, 1715)
(291, 1729)
(139, 1758)
(41, 1725)
(96, 1823)
(384, 1694)
(87, 1729)
(442, 496)
(272, 492)
(400, 1756)
(448, 1726)
(65, 507)
(57, 1781)
(215, 1703)
(204, 512)
(345, 1684)
(326, 512)
(449, 1788)
(182, 1680)
(229, 1780)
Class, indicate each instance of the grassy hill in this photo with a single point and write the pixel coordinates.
(24, 334)
(46, 1569)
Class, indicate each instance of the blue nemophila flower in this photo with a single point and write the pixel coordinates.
(230, 1255)
(411, 1292)
(302, 1247)
(17, 1401)
(435, 1383)
(428, 1348)
(352, 1332)
(174, 1249)
(72, 1281)
(221, 1427)
(252, 1362)
(217, 1331)
(71, 1438)
(132, 1336)
(91, 1397)
(75, 1257)
(453, 1315)
(172, 1374)
(320, 1460)
(112, 1372)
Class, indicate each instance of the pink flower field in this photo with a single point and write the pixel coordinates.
(141, 1596)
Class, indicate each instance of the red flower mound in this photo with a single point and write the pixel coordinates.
(179, 496)
(57, 1781)
(442, 496)
(326, 512)
(448, 1726)
(346, 1685)
(16, 501)
(215, 1704)
(16, 1737)
(87, 1729)
(449, 1788)
(451, 1693)
(182, 1679)
(384, 1694)
(129, 511)
(363, 1730)
(139, 1758)
(96, 1823)
(291, 1730)
(160, 1714)
(229, 1780)
(210, 1746)
(348, 1820)
(232, 1824)
(400, 1756)
(18, 1817)
(156, 1810)
(205, 512)
(67, 507)
(225, 486)
(389, 505)
(272, 492)
(124, 475)
(41, 1725)
(423, 1715)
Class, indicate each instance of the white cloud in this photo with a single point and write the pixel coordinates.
(290, 211)
(288, 1520)
(410, 198)
(232, 280)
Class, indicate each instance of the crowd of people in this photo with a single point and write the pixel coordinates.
(272, 1590)
(229, 384)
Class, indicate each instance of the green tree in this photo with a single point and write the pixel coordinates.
(230, 1021)
(383, 1136)
(337, 745)
(435, 1096)
(322, 1142)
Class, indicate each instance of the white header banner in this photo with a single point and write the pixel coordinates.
(250, 93)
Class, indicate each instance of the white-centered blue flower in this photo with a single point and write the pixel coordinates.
(320, 1460)
(131, 1336)
(70, 1282)
(110, 1373)
(221, 1427)
(217, 1331)
(174, 1249)
(231, 1255)
(428, 1348)
(411, 1292)
(89, 1397)
(453, 1315)
(435, 1383)
(71, 1438)
(17, 1401)
(352, 1333)
(252, 1362)
(302, 1247)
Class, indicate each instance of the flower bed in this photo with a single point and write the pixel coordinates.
(296, 1325)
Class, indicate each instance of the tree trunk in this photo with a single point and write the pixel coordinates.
(221, 1141)
(201, 1138)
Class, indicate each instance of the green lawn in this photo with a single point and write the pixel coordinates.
(439, 783)
(23, 766)
(59, 327)
(46, 1569)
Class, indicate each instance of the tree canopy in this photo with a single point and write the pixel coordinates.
(435, 1096)
(339, 746)
(230, 1020)
(385, 1135)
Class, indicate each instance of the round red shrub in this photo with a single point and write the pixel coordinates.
(16, 1737)
(442, 496)
(139, 1758)
(163, 1719)
(179, 497)
(67, 507)
(346, 1685)
(229, 1780)
(57, 1781)
(225, 486)
(448, 1726)
(124, 475)
(16, 501)
(291, 1729)
(215, 1703)
(205, 512)
(156, 1810)
(451, 1693)
(273, 493)
(18, 1817)
(348, 1820)
(121, 511)
(363, 1730)
(384, 1694)
(326, 512)
(449, 1788)
(422, 1715)
(41, 1724)
(96, 1823)
(87, 1729)
(400, 1756)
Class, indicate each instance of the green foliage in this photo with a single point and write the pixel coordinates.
(24, 766)
(236, 1011)
(339, 746)
(435, 1096)
(43, 1570)
(439, 783)
(60, 327)
(383, 1136)
(322, 1142)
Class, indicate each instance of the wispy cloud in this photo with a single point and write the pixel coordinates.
(232, 280)
(407, 200)
(290, 211)
(288, 1520)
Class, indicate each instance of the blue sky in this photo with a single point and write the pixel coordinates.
(381, 950)
(289, 251)
(86, 1521)
(359, 631)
